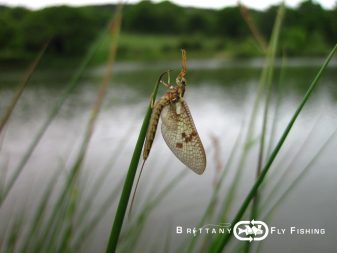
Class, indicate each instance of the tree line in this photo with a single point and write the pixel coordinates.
(72, 29)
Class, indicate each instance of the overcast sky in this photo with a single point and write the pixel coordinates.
(257, 4)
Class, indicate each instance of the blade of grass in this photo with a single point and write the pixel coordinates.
(249, 137)
(269, 77)
(141, 219)
(70, 87)
(157, 181)
(3, 175)
(124, 199)
(14, 233)
(253, 28)
(301, 175)
(168, 240)
(22, 86)
(277, 104)
(65, 204)
(70, 186)
(40, 213)
(220, 242)
(99, 182)
(212, 202)
(289, 167)
(267, 215)
(90, 225)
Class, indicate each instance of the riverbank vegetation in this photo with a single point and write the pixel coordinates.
(157, 30)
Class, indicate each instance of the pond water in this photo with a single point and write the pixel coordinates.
(220, 95)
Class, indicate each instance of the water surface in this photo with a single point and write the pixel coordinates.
(220, 95)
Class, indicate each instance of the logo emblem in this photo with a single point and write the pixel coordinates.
(251, 230)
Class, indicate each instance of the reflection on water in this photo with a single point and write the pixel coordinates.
(220, 96)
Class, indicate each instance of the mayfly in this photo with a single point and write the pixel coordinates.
(177, 127)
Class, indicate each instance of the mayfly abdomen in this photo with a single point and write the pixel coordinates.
(151, 131)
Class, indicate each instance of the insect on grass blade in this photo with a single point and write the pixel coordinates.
(178, 129)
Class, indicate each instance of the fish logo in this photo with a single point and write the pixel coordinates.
(251, 230)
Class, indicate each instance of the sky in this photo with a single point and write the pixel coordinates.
(214, 4)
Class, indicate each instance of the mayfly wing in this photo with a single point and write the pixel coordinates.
(181, 136)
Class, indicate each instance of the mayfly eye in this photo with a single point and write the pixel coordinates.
(183, 81)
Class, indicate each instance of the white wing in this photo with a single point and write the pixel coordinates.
(182, 137)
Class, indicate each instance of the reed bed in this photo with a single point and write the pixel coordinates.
(68, 224)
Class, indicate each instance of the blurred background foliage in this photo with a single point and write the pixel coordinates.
(157, 30)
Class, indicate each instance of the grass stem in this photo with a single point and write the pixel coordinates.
(221, 242)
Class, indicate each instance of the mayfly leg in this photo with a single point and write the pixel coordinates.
(168, 84)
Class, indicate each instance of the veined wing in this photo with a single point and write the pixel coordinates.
(181, 136)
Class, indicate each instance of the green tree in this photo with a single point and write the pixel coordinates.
(331, 29)
(199, 22)
(266, 21)
(70, 30)
(141, 18)
(230, 23)
(10, 21)
(7, 32)
(147, 17)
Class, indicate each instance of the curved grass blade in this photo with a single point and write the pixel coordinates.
(89, 226)
(284, 174)
(271, 54)
(220, 242)
(267, 215)
(68, 198)
(139, 223)
(70, 87)
(300, 176)
(124, 199)
(211, 205)
(22, 86)
(40, 213)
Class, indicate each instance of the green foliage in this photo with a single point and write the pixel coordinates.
(71, 30)
(23, 32)
(146, 17)
(129, 180)
(61, 230)
(6, 32)
(230, 23)
(294, 37)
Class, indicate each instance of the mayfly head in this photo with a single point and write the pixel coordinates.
(181, 80)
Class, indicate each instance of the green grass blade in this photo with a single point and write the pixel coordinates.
(40, 213)
(268, 214)
(103, 176)
(289, 167)
(221, 242)
(88, 226)
(269, 77)
(252, 120)
(137, 226)
(22, 86)
(301, 175)
(70, 87)
(124, 199)
(211, 205)
(68, 199)
(14, 233)
(277, 91)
